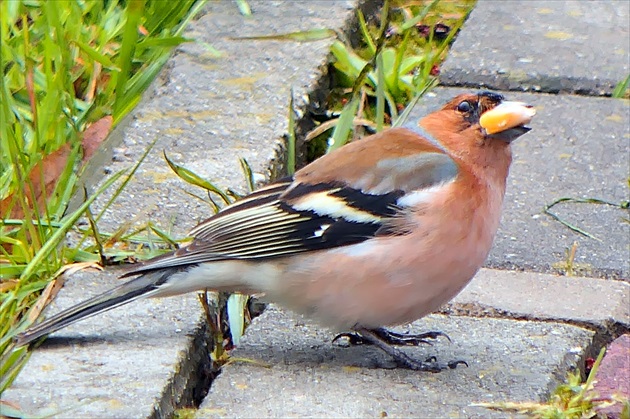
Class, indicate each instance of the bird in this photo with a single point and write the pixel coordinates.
(379, 232)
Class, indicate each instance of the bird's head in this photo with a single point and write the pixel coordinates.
(483, 116)
(478, 129)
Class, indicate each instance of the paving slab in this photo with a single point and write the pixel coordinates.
(308, 376)
(598, 304)
(143, 360)
(579, 148)
(547, 46)
(205, 111)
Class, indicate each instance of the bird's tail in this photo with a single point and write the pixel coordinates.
(141, 287)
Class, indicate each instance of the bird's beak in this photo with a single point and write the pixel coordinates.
(507, 120)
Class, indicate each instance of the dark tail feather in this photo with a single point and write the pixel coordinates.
(141, 287)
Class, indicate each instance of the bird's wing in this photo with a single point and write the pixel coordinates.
(290, 216)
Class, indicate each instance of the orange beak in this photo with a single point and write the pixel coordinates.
(507, 120)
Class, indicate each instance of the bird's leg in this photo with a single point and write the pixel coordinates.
(393, 338)
(375, 337)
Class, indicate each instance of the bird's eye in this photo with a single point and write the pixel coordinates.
(465, 107)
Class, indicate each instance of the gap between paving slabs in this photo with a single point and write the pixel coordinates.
(123, 362)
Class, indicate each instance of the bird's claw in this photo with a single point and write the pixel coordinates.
(392, 338)
(453, 364)
(431, 364)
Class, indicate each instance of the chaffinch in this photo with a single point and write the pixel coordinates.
(380, 232)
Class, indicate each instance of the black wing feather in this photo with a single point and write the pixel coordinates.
(266, 225)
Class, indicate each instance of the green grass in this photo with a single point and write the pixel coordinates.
(66, 65)
(622, 90)
(394, 65)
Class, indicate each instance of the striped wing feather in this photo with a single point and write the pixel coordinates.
(266, 225)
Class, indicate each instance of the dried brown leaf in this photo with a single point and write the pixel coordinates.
(56, 284)
(94, 135)
(52, 166)
(8, 285)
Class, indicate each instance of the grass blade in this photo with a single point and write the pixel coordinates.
(194, 179)
(67, 224)
(365, 33)
(236, 306)
(380, 93)
(299, 36)
(243, 7)
(343, 129)
(291, 137)
(621, 88)
(96, 56)
(547, 210)
(130, 37)
(249, 175)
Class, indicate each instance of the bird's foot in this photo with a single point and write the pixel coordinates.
(430, 364)
(392, 338)
(384, 340)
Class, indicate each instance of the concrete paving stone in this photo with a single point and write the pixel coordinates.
(311, 377)
(579, 148)
(548, 46)
(205, 111)
(131, 362)
(595, 303)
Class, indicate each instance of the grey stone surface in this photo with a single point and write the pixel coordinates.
(548, 46)
(310, 377)
(579, 147)
(205, 111)
(596, 303)
(136, 361)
